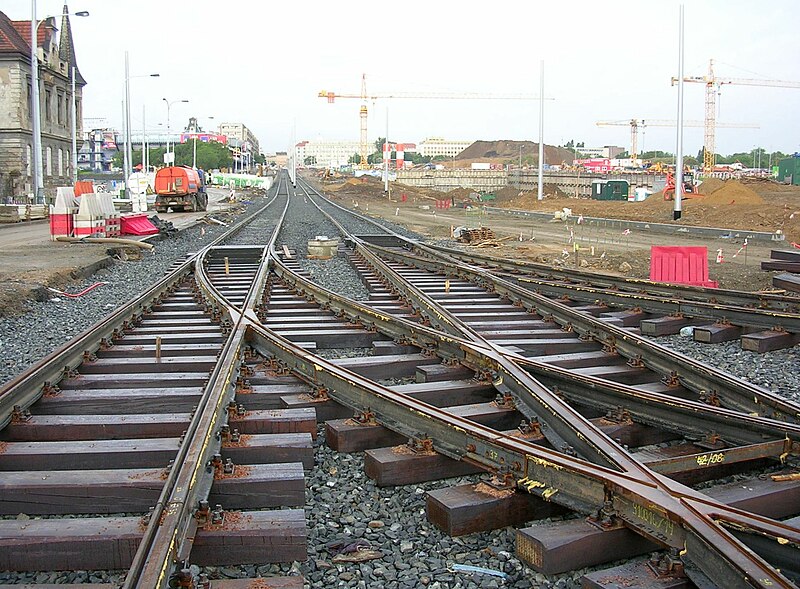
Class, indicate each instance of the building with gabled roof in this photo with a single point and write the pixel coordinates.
(56, 55)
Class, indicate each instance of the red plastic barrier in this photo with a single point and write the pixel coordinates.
(84, 187)
(444, 204)
(680, 265)
(137, 225)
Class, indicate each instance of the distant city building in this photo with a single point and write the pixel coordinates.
(98, 150)
(279, 158)
(194, 131)
(433, 146)
(242, 136)
(329, 154)
(56, 55)
(607, 151)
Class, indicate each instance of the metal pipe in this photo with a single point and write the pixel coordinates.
(125, 161)
(388, 155)
(678, 195)
(540, 192)
(74, 129)
(38, 172)
(128, 149)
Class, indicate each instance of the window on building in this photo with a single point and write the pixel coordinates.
(48, 104)
(49, 161)
(61, 109)
(28, 158)
(60, 162)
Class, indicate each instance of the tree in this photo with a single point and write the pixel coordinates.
(355, 159)
(210, 156)
(310, 160)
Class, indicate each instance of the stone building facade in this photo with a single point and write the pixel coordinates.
(56, 60)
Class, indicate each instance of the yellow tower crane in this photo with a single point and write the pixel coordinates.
(636, 124)
(713, 84)
(365, 97)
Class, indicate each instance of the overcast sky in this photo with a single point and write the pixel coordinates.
(263, 63)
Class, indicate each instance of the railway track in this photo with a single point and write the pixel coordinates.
(677, 381)
(243, 349)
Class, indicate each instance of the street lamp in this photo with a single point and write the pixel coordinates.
(38, 171)
(128, 153)
(169, 104)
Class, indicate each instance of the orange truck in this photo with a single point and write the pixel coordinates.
(180, 188)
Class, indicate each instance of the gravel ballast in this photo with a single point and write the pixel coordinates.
(48, 325)
(342, 504)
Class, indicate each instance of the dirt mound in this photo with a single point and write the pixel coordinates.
(732, 192)
(460, 193)
(710, 185)
(504, 150)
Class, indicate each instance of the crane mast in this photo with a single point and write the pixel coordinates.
(365, 98)
(713, 84)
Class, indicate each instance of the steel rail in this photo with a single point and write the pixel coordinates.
(671, 365)
(43, 376)
(173, 524)
(738, 552)
(677, 415)
(653, 506)
(27, 387)
(557, 429)
(697, 294)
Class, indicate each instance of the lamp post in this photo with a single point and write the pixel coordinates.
(169, 104)
(128, 153)
(38, 171)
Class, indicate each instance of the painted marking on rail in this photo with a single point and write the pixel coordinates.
(709, 459)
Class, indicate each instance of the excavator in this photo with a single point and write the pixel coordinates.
(689, 189)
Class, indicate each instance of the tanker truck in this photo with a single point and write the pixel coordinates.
(180, 188)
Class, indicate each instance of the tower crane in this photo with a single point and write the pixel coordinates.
(713, 84)
(635, 124)
(365, 97)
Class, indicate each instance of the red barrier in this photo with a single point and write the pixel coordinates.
(444, 204)
(680, 265)
(84, 187)
(137, 225)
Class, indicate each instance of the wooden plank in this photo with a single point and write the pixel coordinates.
(253, 537)
(401, 466)
(135, 490)
(787, 281)
(467, 509)
(268, 448)
(113, 401)
(789, 255)
(768, 341)
(783, 265)
(564, 546)
(637, 574)
(143, 453)
(716, 333)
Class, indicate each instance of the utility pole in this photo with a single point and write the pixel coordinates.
(74, 129)
(128, 147)
(540, 192)
(38, 172)
(678, 195)
(388, 150)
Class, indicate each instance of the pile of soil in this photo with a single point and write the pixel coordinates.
(459, 193)
(506, 151)
(732, 192)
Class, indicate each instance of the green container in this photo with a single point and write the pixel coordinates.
(789, 170)
(610, 189)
